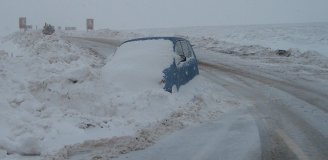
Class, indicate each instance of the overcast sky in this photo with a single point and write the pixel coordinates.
(133, 14)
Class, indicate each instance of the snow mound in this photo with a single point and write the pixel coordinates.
(139, 65)
(36, 71)
(52, 48)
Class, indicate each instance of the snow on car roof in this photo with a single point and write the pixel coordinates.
(135, 67)
(173, 39)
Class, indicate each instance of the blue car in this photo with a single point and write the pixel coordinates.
(183, 66)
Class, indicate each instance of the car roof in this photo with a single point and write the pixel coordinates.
(173, 39)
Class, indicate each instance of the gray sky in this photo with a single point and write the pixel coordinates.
(132, 14)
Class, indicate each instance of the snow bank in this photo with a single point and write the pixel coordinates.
(106, 34)
(36, 73)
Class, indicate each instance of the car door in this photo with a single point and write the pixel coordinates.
(180, 63)
(186, 63)
(190, 65)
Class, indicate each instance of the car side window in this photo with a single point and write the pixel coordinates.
(191, 50)
(186, 49)
(178, 48)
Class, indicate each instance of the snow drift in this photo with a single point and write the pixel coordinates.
(139, 65)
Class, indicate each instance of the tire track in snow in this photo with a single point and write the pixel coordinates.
(284, 132)
(320, 100)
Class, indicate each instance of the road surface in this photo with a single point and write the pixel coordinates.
(292, 120)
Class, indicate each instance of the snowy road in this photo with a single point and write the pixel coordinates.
(233, 133)
(291, 120)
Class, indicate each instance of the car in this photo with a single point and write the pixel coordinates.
(177, 58)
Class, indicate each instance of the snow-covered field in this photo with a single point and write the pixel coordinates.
(55, 93)
(304, 37)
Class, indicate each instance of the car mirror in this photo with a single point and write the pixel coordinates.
(179, 58)
(182, 58)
